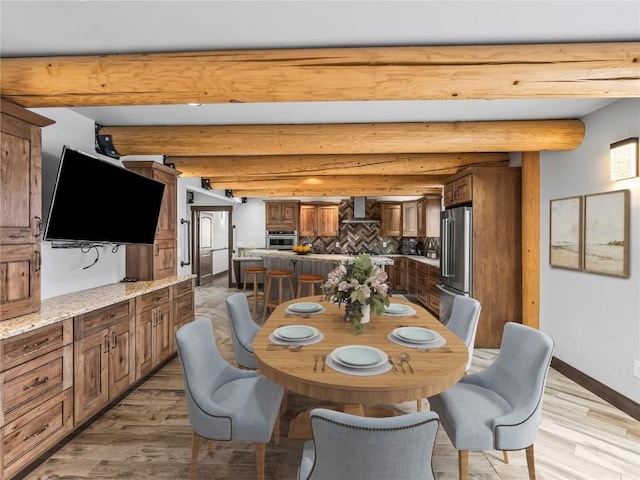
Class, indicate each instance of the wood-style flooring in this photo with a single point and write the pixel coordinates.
(147, 434)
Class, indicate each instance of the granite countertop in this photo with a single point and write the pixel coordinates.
(57, 309)
(316, 257)
(434, 262)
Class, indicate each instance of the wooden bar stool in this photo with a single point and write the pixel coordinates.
(271, 277)
(310, 280)
(254, 272)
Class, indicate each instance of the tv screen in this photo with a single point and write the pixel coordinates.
(98, 201)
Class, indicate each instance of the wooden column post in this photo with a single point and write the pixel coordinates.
(531, 239)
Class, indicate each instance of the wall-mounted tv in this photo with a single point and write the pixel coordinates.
(96, 201)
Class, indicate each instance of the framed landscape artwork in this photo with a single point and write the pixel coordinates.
(565, 246)
(606, 234)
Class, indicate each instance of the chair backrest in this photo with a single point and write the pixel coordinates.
(368, 448)
(203, 371)
(463, 321)
(518, 375)
(243, 329)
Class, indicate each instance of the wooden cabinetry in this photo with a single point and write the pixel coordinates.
(433, 294)
(281, 215)
(20, 214)
(318, 220)
(36, 403)
(397, 274)
(154, 327)
(495, 195)
(422, 282)
(184, 308)
(103, 357)
(428, 209)
(390, 219)
(410, 219)
(157, 261)
(458, 191)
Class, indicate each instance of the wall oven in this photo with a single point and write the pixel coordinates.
(281, 239)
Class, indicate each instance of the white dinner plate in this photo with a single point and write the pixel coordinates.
(396, 308)
(416, 334)
(305, 307)
(294, 333)
(359, 356)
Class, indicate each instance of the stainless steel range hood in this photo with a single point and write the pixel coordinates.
(359, 212)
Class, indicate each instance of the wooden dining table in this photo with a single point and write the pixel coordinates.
(301, 371)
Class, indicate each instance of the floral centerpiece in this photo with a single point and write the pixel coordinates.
(361, 286)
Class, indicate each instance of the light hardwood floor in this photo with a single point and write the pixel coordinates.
(147, 434)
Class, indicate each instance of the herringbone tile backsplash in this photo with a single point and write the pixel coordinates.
(357, 237)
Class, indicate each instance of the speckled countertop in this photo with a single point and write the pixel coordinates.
(57, 309)
(434, 262)
(315, 257)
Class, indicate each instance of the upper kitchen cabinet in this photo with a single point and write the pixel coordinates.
(429, 216)
(157, 261)
(390, 219)
(319, 220)
(20, 215)
(282, 215)
(410, 219)
(459, 191)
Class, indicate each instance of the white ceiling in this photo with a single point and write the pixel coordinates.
(46, 28)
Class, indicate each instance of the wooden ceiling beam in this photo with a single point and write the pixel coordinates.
(330, 191)
(296, 165)
(347, 138)
(568, 70)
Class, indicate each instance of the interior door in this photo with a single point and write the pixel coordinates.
(205, 247)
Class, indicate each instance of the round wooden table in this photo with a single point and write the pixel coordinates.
(435, 370)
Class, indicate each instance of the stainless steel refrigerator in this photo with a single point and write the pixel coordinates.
(456, 259)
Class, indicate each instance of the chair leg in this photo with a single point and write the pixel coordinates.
(260, 449)
(210, 446)
(419, 405)
(505, 455)
(195, 447)
(276, 431)
(463, 464)
(530, 463)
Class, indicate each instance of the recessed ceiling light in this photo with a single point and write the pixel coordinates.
(194, 104)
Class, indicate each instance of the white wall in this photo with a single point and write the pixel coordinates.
(594, 319)
(250, 220)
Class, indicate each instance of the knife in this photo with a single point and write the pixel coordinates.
(395, 370)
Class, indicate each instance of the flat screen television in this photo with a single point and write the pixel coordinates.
(96, 201)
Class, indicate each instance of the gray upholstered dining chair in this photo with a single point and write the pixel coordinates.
(463, 321)
(243, 329)
(225, 402)
(351, 447)
(499, 408)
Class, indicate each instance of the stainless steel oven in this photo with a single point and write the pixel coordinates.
(281, 239)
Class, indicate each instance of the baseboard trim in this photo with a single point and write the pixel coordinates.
(609, 395)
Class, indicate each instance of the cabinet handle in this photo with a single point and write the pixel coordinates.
(38, 261)
(35, 345)
(36, 383)
(38, 226)
(106, 343)
(110, 316)
(46, 425)
(160, 315)
(157, 248)
(114, 339)
(153, 319)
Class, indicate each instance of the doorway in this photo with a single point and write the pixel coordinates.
(212, 243)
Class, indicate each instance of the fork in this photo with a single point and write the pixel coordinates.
(324, 362)
(315, 362)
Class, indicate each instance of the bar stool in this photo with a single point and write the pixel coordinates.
(310, 280)
(271, 277)
(254, 272)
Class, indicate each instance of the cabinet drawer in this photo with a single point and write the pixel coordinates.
(152, 299)
(89, 323)
(434, 304)
(33, 382)
(30, 435)
(183, 288)
(184, 309)
(24, 347)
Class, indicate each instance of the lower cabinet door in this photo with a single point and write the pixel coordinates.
(120, 359)
(91, 370)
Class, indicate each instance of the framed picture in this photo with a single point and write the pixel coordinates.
(565, 245)
(606, 233)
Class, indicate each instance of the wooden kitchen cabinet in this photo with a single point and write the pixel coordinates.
(458, 191)
(433, 294)
(184, 308)
(154, 327)
(410, 219)
(20, 215)
(103, 357)
(319, 220)
(390, 219)
(36, 404)
(428, 209)
(281, 215)
(397, 274)
(157, 261)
